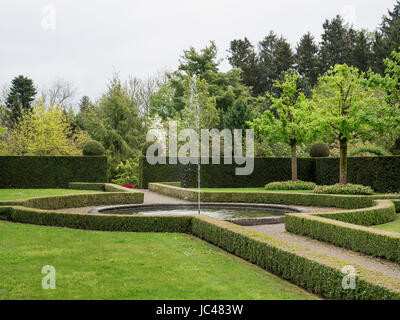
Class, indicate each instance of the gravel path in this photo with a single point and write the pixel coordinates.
(388, 268)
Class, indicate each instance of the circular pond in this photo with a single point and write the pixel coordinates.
(244, 214)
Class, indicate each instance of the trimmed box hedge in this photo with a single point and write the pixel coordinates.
(380, 173)
(304, 199)
(316, 273)
(113, 195)
(50, 172)
(348, 229)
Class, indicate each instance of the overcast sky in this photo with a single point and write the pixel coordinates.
(85, 41)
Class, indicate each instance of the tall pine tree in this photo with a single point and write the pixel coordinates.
(307, 58)
(19, 99)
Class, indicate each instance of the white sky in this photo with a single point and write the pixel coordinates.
(91, 38)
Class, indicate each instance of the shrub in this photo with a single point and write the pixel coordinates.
(319, 150)
(352, 189)
(93, 148)
(372, 150)
(290, 185)
(127, 172)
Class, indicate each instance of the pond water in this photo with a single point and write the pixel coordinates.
(215, 212)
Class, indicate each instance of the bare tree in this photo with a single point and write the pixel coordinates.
(141, 90)
(61, 92)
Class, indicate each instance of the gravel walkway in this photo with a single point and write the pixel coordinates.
(388, 268)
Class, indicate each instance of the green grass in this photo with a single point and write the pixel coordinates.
(391, 226)
(15, 194)
(112, 265)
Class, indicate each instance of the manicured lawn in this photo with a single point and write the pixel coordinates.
(391, 226)
(106, 265)
(14, 194)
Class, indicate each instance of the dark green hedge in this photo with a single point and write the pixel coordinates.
(304, 199)
(318, 275)
(381, 173)
(350, 236)
(50, 172)
(223, 176)
(84, 200)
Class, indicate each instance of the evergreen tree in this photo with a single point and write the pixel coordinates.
(362, 53)
(238, 116)
(379, 53)
(84, 104)
(336, 45)
(307, 58)
(19, 99)
(390, 28)
(242, 55)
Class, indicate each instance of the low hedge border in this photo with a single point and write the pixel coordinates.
(348, 229)
(314, 272)
(111, 195)
(303, 199)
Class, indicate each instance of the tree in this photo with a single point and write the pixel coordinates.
(115, 121)
(20, 96)
(362, 54)
(390, 28)
(379, 53)
(336, 46)
(238, 116)
(84, 104)
(290, 123)
(307, 58)
(61, 92)
(44, 131)
(243, 56)
(348, 106)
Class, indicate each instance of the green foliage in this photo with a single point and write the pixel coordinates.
(115, 121)
(352, 189)
(347, 106)
(290, 124)
(365, 240)
(223, 176)
(319, 150)
(43, 132)
(93, 148)
(238, 116)
(290, 185)
(307, 59)
(19, 99)
(371, 150)
(128, 172)
(301, 199)
(50, 172)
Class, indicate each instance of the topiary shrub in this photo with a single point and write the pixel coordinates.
(353, 189)
(290, 185)
(319, 150)
(370, 150)
(93, 148)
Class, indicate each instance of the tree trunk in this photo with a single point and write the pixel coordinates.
(294, 163)
(343, 161)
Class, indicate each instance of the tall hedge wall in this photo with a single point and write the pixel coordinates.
(223, 176)
(381, 173)
(50, 172)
